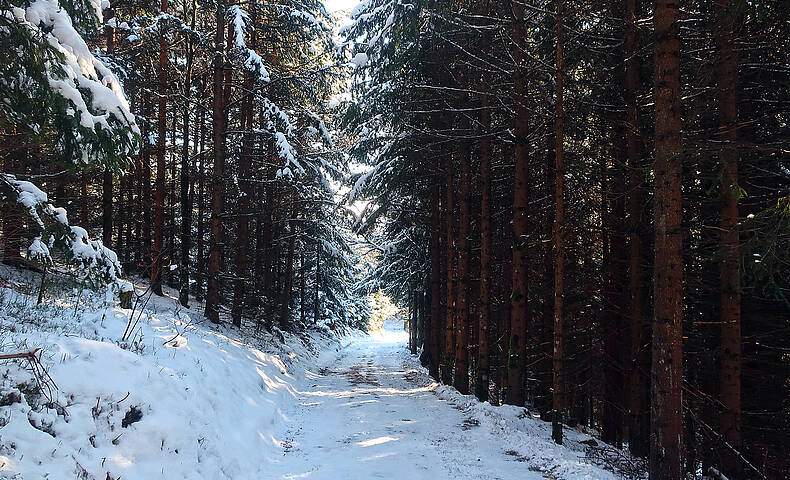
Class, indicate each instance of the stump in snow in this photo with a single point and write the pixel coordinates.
(125, 294)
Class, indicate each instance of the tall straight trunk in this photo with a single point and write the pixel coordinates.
(159, 197)
(217, 184)
(614, 298)
(448, 353)
(667, 363)
(615, 284)
(246, 188)
(106, 213)
(285, 301)
(12, 215)
(107, 183)
(545, 400)
(120, 223)
(448, 350)
(243, 224)
(200, 261)
(186, 200)
(516, 352)
(436, 282)
(146, 185)
(727, 17)
(316, 299)
(639, 378)
(481, 380)
(461, 378)
(268, 247)
(302, 271)
(558, 403)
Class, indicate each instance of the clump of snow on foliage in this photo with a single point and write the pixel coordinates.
(241, 25)
(98, 263)
(81, 71)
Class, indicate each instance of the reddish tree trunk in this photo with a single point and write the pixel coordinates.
(448, 354)
(518, 299)
(246, 188)
(461, 378)
(667, 363)
(215, 243)
(481, 381)
(639, 378)
(243, 226)
(436, 282)
(730, 358)
(106, 215)
(200, 261)
(157, 253)
(186, 200)
(285, 301)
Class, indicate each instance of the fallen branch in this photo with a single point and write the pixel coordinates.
(45, 383)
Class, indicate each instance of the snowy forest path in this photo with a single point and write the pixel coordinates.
(373, 413)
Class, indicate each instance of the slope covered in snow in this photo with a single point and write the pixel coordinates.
(180, 399)
(211, 402)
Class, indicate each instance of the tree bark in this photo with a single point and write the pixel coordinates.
(436, 282)
(448, 353)
(200, 261)
(639, 378)
(316, 299)
(217, 184)
(106, 214)
(461, 377)
(482, 379)
(186, 200)
(667, 362)
(727, 17)
(516, 352)
(558, 404)
(157, 253)
(285, 301)
(246, 188)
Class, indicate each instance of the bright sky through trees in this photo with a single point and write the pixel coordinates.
(335, 5)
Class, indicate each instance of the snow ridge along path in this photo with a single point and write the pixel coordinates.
(373, 412)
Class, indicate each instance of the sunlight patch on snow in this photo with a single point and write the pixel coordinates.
(376, 441)
(121, 461)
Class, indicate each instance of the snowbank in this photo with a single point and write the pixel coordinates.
(177, 400)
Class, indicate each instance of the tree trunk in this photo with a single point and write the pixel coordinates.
(316, 300)
(246, 189)
(285, 301)
(639, 379)
(107, 183)
(146, 187)
(157, 253)
(481, 381)
(200, 261)
(667, 363)
(436, 282)
(461, 378)
(518, 298)
(217, 184)
(558, 403)
(727, 17)
(301, 286)
(186, 203)
(448, 354)
(106, 214)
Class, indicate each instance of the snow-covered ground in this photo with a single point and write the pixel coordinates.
(217, 405)
(375, 413)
